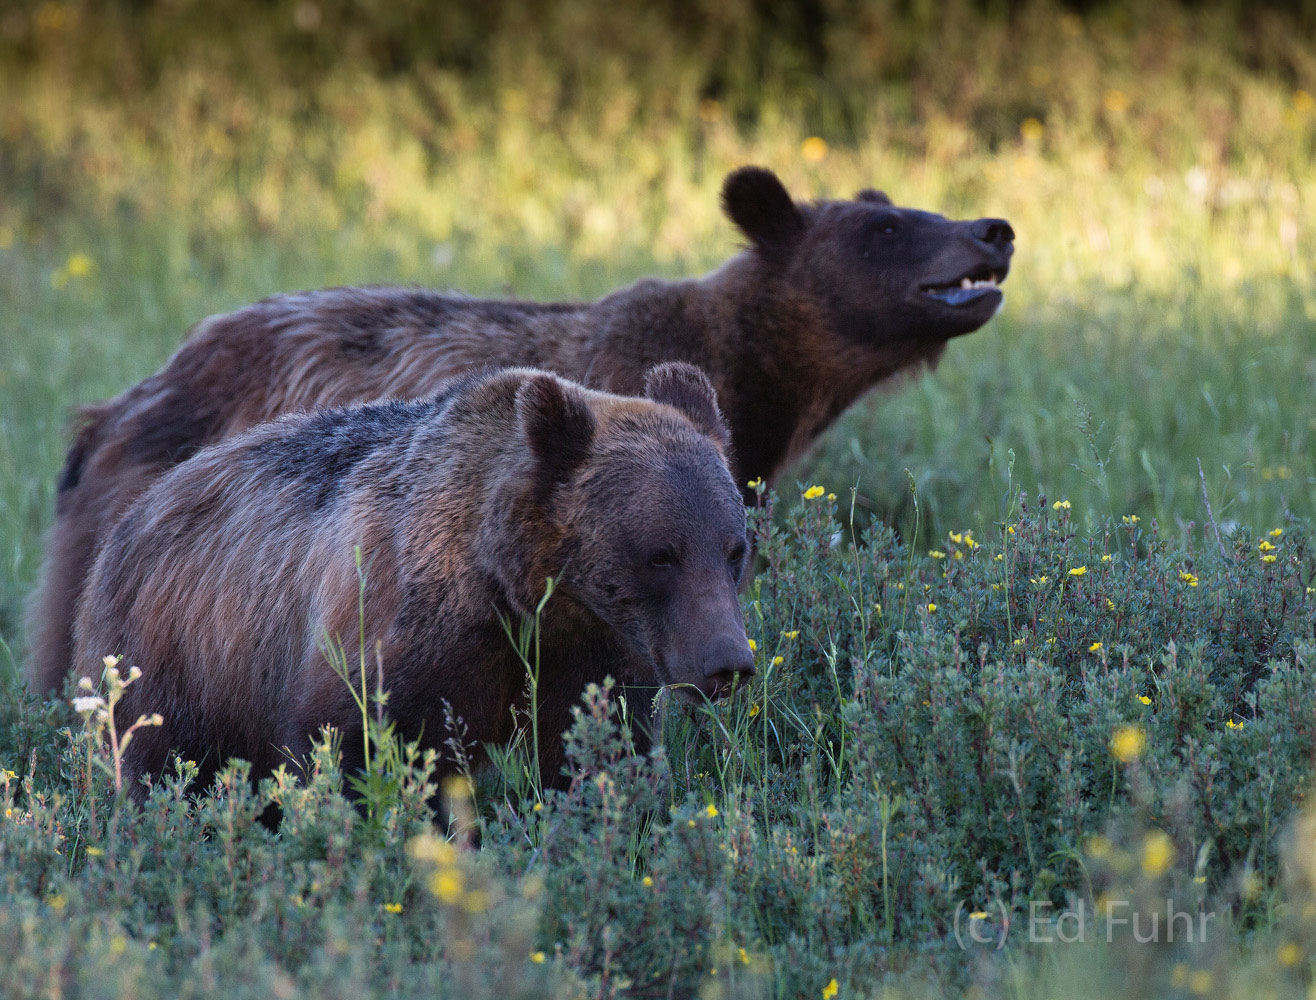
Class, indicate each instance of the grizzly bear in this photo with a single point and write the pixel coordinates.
(829, 299)
(228, 576)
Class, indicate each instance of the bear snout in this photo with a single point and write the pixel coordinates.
(996, 233)
(726, 661)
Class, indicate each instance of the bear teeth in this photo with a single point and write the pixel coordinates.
(982, 283)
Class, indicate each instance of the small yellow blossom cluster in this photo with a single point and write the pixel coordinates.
(78, 266)
(813, 149)
(447, 881)
(1127, 743)
(1157, 853)
(1061, 505)
(1268, 548)
(814, 492)
(1188, 578)
(964, 538)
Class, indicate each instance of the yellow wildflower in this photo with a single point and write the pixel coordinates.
(1095, 648)
(690, 823)
(1061, 505)
(955, 537)
(778, 660)
(1200, 982)
(1078, 571)
(936, 554)
(1127, 743)
(754, 710)
(1277, 533)
(1106, 557)
(831, 497)
(813, 149)
(79, 265)
(830, 990)
(814, 492)
(792, 634)
(1188, 578)
(754, 484)
(539, 807)
(931, 608)
(711, 811)
(446, 884)
(1130, 519)
(1265, 546)
(1231, 724)
(1157, 854)
(744, 956)
(1144, 699)
(1116, 102)
(537, 957)
(393, 907)
(753, 646)
(647, 882)
(1268, 559)
(1289, 954)
(94, 852)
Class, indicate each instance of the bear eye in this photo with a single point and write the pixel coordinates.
(737, 555)
(886, 225)
(663, 558)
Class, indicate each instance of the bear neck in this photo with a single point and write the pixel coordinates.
(793, 371)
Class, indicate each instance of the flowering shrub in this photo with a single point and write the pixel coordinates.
(934, 741)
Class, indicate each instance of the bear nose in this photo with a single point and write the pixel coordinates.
(728, 659)
(995, 232)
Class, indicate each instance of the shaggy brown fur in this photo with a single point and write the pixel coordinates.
(829, 299)
(222, 581)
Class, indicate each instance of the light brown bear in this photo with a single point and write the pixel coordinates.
(224, 579)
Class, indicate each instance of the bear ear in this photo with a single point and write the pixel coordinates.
(875, 196)
(559, 427)
(755, 200)
(684, 387)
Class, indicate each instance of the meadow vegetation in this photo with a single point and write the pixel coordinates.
(1045, 638)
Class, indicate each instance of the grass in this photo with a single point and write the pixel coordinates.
(1155, 354)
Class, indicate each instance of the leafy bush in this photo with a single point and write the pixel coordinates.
(1003, 724)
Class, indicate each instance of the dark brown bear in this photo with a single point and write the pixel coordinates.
(222, 581)
(829, 299)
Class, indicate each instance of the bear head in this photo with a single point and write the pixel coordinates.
(629, 504)
(894, 280)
